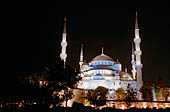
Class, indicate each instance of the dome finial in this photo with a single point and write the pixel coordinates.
(125, 70)
(117, 60)
(102, 51)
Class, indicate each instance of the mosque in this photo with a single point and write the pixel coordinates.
(104, 71)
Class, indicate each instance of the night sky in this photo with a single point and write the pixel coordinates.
(30, 38)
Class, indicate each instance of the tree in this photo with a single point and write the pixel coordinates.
(36, 88)
(97, 96)
(146, 91)
(102, 91)
(158, 92)
(131, 95)
(165, 95)
(158, 87)
(62, 78)
(92, 96)
(120, 93)
(47, 85)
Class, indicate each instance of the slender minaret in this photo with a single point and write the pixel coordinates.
(133, 63)
(63, 54)
(138, 53)
(81, 56)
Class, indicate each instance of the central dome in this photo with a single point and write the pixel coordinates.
(102, 57)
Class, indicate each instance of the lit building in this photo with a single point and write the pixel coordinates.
(63, 54)
(104, 71)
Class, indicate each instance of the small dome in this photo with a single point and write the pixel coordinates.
(102, 57)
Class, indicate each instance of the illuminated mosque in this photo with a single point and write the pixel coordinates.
(104, 71)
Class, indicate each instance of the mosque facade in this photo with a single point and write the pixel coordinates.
(104, 71)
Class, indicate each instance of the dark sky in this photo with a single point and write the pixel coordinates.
(31, 37)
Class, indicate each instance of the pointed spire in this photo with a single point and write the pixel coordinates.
(102, 51)
(81, 53)
(136, 24)
(81, 57)
(64, 30)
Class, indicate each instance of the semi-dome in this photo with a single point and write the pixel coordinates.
(102, 57)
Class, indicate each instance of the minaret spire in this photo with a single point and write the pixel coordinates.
(81, 53)
(81, 56)
(63, 54)
(136, 24)
(102, 51)
(138, 54)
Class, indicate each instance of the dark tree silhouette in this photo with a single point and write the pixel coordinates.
(98, 96)
(146, 91)
(131, 95)
(43, 87)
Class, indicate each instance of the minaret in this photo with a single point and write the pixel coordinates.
(81, 56)
(63, 54)
(133, 63)
(138, 53)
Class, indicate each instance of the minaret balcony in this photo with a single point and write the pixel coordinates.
(139, 65)
(137, 40)
(64, 43)
(63, 56)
